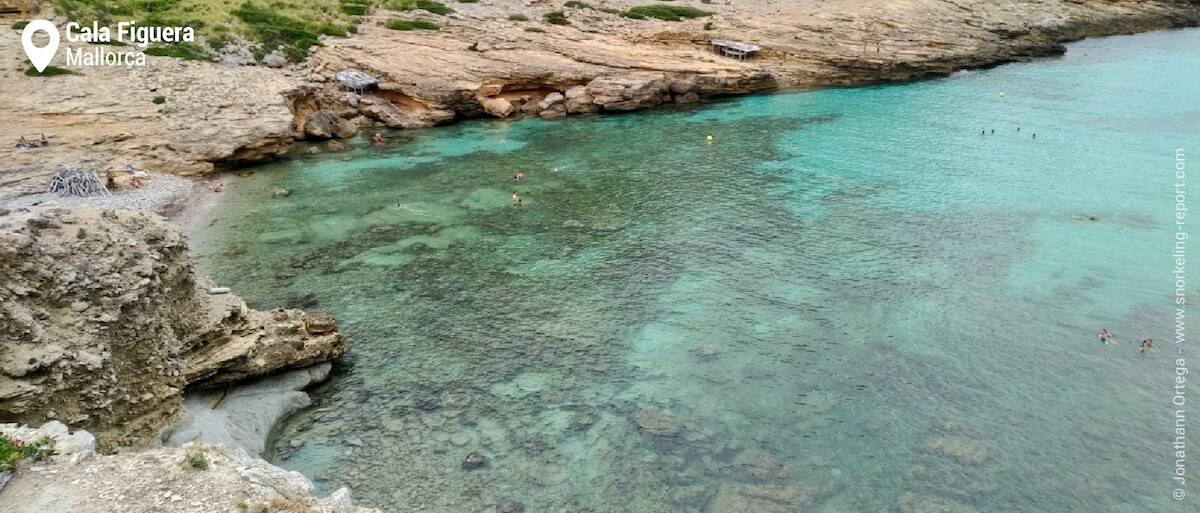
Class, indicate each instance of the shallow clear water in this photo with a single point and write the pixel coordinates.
(850, 295)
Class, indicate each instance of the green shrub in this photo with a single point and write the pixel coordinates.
(576, 4)
(330, 29)
(355, 9)
(611, 10)
(556, 18)
(666, 12)
(195, 459)
(272, 29)
(13, 451)
(185, 51)
(534, 29)
(50, 71)
(20, 25)
(424, 5)
(706, 1)
(467, 1)
(633, 15)
(517, 17)
(399, 24)
(159, 100)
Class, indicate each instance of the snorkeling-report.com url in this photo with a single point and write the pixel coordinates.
(1178, 400)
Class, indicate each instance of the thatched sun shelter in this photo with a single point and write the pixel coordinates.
(734, 49)
(356, 80)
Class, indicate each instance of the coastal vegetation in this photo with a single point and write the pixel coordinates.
(12, 452)
(422, 5)
(399, 24)
(18, 25)
(50, 71)
(556, 18)
(517, 17)
(185, 51)
(294, 24)
(665, 12)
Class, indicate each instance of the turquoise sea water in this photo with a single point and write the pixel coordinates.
(850, 301)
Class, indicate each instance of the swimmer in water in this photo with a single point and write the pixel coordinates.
(520, 176)
(1018, 129)
(378, 138)
(1105, 335)
(404, 206)
(1035, 136)
(515, 198)
(1147, 345)
(993, 131)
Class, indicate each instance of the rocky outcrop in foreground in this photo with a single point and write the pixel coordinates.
(104, 323)
(194, 478)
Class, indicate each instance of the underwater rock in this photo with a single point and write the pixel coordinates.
(963, 450)
(510, 506)
(762, 466)
(656, 423)
(912, 503)
(474, 461)
(281, 193)
(706, 351)
(737, 498)
(336, 146)
(245, 414)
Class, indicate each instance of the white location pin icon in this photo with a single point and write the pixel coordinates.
(40, 57)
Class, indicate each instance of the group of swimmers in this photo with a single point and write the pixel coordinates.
(1147, 344)
(985, 132)
(24, 144)
(517, 179)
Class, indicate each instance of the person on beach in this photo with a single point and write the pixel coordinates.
(1147, 345)
(44, 142)
(111, 181)
(1105, 335)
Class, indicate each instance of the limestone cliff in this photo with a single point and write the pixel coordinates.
(104, 323)
(189, 117)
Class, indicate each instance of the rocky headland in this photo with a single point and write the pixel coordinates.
(481, 62)
(106, 327)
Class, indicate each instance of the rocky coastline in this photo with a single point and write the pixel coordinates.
(216, 116)
(106, 327)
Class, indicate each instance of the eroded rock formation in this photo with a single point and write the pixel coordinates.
(104, 323)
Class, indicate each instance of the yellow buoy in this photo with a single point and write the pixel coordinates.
(710, 138)
(1002, 94)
